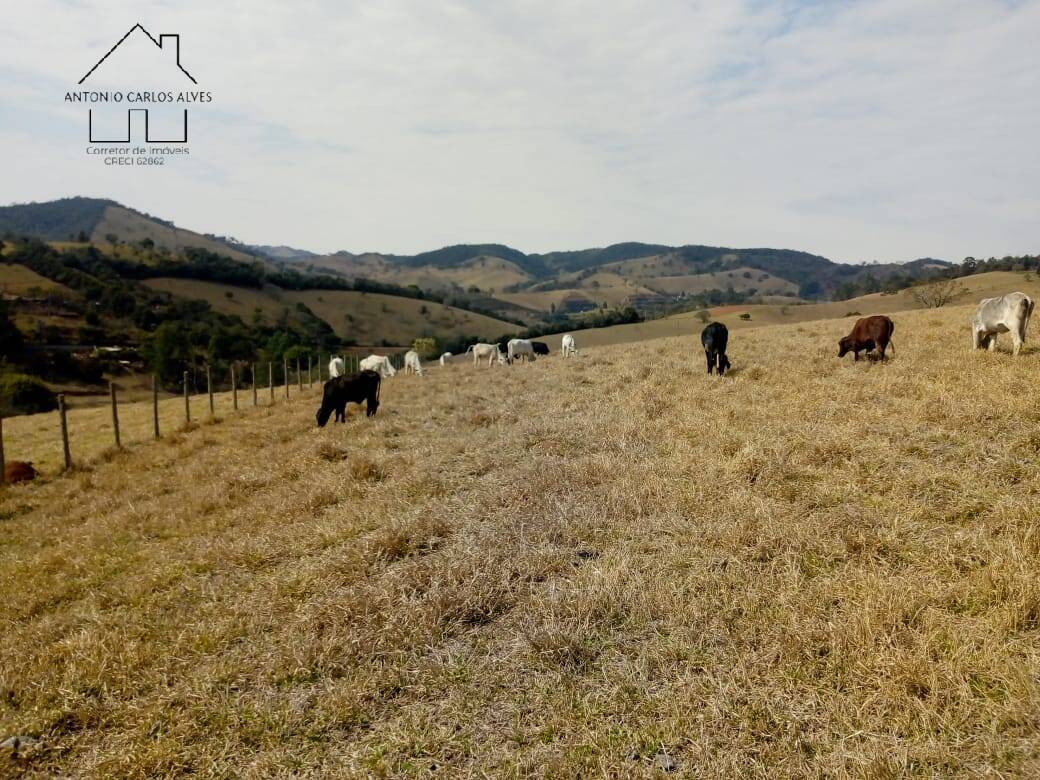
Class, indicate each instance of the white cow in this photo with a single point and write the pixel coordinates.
(412, 364)
(489, 351)
(1006, 314)
(520, 349)
(378, 363)
(445, 358)
(567, 348)
(337, 367)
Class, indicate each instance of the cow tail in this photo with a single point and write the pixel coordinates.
(379, 383)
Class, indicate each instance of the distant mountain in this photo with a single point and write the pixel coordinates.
(56, 220)
(281, 252)
(99, 220)
(508, 280)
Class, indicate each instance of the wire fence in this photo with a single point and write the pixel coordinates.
(45, 435)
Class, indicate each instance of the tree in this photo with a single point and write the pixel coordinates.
(23, 394)
(810, 290)
(169, 351)
(704, 315)
(969, 265)
(10, 337)
(426, 347)
(937, 294)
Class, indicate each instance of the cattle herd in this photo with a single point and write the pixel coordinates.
(1007, 314)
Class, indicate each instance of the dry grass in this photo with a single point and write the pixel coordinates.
(374, 316)
(573, 568)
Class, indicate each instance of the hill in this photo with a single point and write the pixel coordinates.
(688, 324)
(594, 567)
(359, 317)
(94, 219)
(648, 277)
(643, 275)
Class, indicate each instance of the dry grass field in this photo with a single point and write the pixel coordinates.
(596, 567)
(373, 316)
(19, 280)
(132, 227)
(971, 290)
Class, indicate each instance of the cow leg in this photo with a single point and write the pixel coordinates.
(1016, 341)
(855, 355)
(993, 343)
(711, 361)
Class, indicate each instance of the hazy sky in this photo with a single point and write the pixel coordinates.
(876, 130)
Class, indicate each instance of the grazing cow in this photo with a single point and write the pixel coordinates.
(1007, 314)
(380, 363)
(445, 358)
(341, 390)
(18, 471)
(567, 346)
(540, 347)
(489, 351)
(412, 364)
(519, 349)
(868, 333)
(714, 338)
(337, 367)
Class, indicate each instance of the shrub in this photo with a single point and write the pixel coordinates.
(24, 394)
(746, 315)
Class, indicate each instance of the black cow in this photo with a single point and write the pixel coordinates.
(540, 347)
(341, 390)
(714, 337)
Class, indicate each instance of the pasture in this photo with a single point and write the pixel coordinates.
(605, 566)
(372, 316)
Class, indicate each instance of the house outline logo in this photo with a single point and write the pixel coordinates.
(164, 42)
(159, 43)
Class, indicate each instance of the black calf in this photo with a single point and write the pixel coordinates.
(714, 337)
(540, 347)
(341, 390)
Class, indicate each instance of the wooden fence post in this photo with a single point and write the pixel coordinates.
(234, 389)
(310, 371)
(299, 376)
(155, 405)
(252, 371)
(115, 413)
(285, 374)
(319, 368)
(64, 431)
(209, 389)
(187, 403)
(2, 477)
(270, 379)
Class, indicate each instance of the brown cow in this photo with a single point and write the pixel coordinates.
(18, 471)
(867, 333)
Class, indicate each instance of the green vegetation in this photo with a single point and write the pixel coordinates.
(59, 220)
(22, 394)
(174, 335)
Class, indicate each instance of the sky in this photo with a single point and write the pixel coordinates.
(873, 130)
